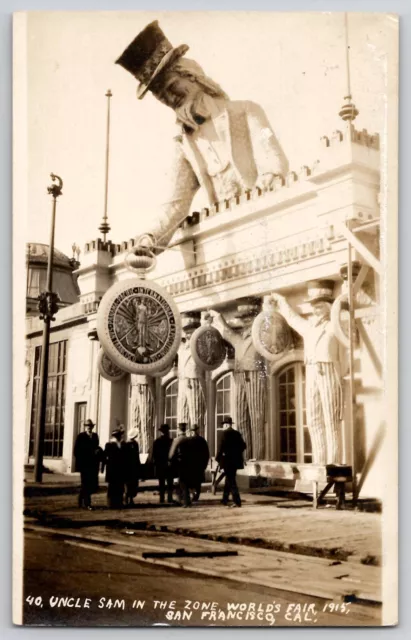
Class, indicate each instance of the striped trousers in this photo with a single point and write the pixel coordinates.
(250, 411)
(324, 404)
(191, 403)
(142, 415)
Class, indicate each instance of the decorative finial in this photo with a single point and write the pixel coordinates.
(348, 111)
(104, 228)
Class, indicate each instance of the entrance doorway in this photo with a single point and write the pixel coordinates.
(80, 412)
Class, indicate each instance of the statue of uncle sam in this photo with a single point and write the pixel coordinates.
(224, 146)
(325, 363)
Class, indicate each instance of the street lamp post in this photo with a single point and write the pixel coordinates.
(47, 307)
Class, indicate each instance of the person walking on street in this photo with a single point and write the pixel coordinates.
(230, 458)
(200, 457)
(113, 462)
(132, 466)
(86, 452)
(181, 464)
(159, 458)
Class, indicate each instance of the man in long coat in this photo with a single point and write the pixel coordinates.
(230, 458)
(182, 464)
(132, 466)
(159, 457)
(223, 146)
(200, 457)
(114, 464)
(86, 452)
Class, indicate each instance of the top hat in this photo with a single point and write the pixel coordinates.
(164, 428)
(227, 420)
(88, 423)
(320, 291)
(195, 427)
(182, 426)
(148, 55)
(132, 434)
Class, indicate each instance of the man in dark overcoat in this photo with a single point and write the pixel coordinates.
(230, 458)
(86, 452)
(159, 458)
(132, 466)
(200, 457)
(114, 464)
(182, 464)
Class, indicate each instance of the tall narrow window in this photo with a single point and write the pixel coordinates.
(56, 399)
(170, 412)
(224, 403)
(295, 442)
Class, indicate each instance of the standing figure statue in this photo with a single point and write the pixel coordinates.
(142, 410)
(141, 321)
(191, 399)
(250, 380)
(224, 146)
(324, 358)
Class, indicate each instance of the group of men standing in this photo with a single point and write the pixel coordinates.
(184, 457)
(120, 460)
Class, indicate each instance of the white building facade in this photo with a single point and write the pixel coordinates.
(232, 255)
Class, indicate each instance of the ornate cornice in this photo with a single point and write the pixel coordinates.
(247, 264)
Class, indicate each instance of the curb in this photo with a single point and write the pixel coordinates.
(89, 542)
(336, 553)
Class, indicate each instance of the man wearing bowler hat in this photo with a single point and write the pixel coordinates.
(181, 464)
(324, 356)
(224, 146)
(200, 456)
(230, 458)
(159, 458)
(114, 464)
(86, 452)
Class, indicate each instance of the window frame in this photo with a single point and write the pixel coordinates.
(166, 387)
(302, 457)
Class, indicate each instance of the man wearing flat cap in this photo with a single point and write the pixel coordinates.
(324, 358)
(224, 146)
(86, 452)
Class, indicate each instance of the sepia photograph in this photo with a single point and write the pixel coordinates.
(205, 319)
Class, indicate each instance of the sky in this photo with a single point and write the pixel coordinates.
(292, 64)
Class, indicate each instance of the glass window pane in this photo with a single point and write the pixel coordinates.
(283, 397)
(292, 440)
(283, 441)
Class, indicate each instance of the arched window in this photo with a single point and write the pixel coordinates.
(294, 438)
(224, 403)
(170, 406)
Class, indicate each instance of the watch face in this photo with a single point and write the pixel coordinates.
(271, 335)
(139, 326)
(207, 347)
(108, 369)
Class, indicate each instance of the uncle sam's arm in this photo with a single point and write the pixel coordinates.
(297, 322)
(183, 185)
(268, 154)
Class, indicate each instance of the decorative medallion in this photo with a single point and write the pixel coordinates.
(271, 334)
(107, 369)
(139, 326)
(207, 346)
